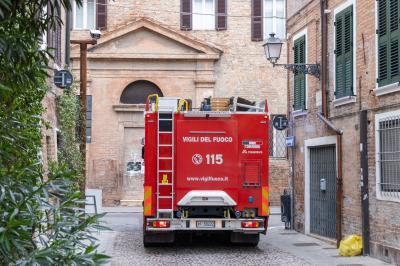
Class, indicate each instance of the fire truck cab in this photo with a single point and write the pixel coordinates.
(206, 169)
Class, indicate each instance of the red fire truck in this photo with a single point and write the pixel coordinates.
(205, 170)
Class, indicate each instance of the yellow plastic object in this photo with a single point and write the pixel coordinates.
(151, 96)
(351, 246)
(181, 102)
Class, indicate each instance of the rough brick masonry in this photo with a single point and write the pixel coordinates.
(384, 215)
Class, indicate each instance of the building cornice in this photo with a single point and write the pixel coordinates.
(140, 56)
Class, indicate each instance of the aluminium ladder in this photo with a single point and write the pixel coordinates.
(165, 164)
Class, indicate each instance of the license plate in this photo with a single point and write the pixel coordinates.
(205, 224)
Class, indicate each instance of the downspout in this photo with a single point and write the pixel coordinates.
(364, 181)
(339, 192)
(330, 124)
(291, 131)
(67, 37)
(364, 165)
(324, 115)
(324, 56)
(339, 180)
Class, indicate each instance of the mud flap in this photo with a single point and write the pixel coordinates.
(245, 239)
(158, 238)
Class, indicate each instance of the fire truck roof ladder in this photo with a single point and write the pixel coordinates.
(166, 144)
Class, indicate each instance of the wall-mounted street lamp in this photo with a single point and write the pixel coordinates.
(273, 49)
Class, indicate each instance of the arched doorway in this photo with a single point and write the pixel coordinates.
(135, 93)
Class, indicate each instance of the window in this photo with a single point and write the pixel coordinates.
(53, 36)
(344, 53)
(274, 18)
(299, 94)
(85, 15)
(138, 91)
(388, 155)
(49, 149)
(277, 141)
(388, 42)
(203, 14)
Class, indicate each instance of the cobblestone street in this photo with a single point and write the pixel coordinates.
(278, 247)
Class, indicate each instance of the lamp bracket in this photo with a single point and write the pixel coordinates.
(308, 69)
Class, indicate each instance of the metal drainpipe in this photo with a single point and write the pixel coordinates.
(67, 37)
(339, 179)
(339, 192)
(324, 54)
(364, 180)
(292, 202)
(324, 116)
(293, 149)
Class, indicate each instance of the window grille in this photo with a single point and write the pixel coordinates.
(388, 156)
(277, 142)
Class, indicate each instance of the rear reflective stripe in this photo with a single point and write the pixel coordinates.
(147, 201)
(264, 202)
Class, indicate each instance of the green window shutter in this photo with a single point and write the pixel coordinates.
(388, 42)
(394, 40)
(344, 53)
(299, 78)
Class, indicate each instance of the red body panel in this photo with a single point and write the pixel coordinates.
(224, 153)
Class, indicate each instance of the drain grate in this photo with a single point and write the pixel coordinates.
(329, 248)
(289, 234)
(305, 244)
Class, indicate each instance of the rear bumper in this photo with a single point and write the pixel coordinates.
(191, 224)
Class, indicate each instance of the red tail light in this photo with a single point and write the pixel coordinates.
(161, 224)
(250, 224)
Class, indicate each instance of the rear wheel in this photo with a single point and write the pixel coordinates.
(245, 239)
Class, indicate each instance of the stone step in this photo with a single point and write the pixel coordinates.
(131, 202)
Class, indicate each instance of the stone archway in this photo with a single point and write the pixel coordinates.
(134, 95)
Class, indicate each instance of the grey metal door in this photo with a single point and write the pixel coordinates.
(323, 191)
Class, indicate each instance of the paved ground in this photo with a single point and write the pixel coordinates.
(278, 247)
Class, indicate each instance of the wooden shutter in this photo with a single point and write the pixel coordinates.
(54, 33)
(344, 53)
(299, 96)
(221, 14)
(299, 101)
(50, 31)
(394, 40)
(186, 14)
(57, 52)
(101, 14)
(388, 42)
(257, 20)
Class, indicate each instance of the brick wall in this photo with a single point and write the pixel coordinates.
(242, 70)
(49, 135)
(279, 180)
(385, 231)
